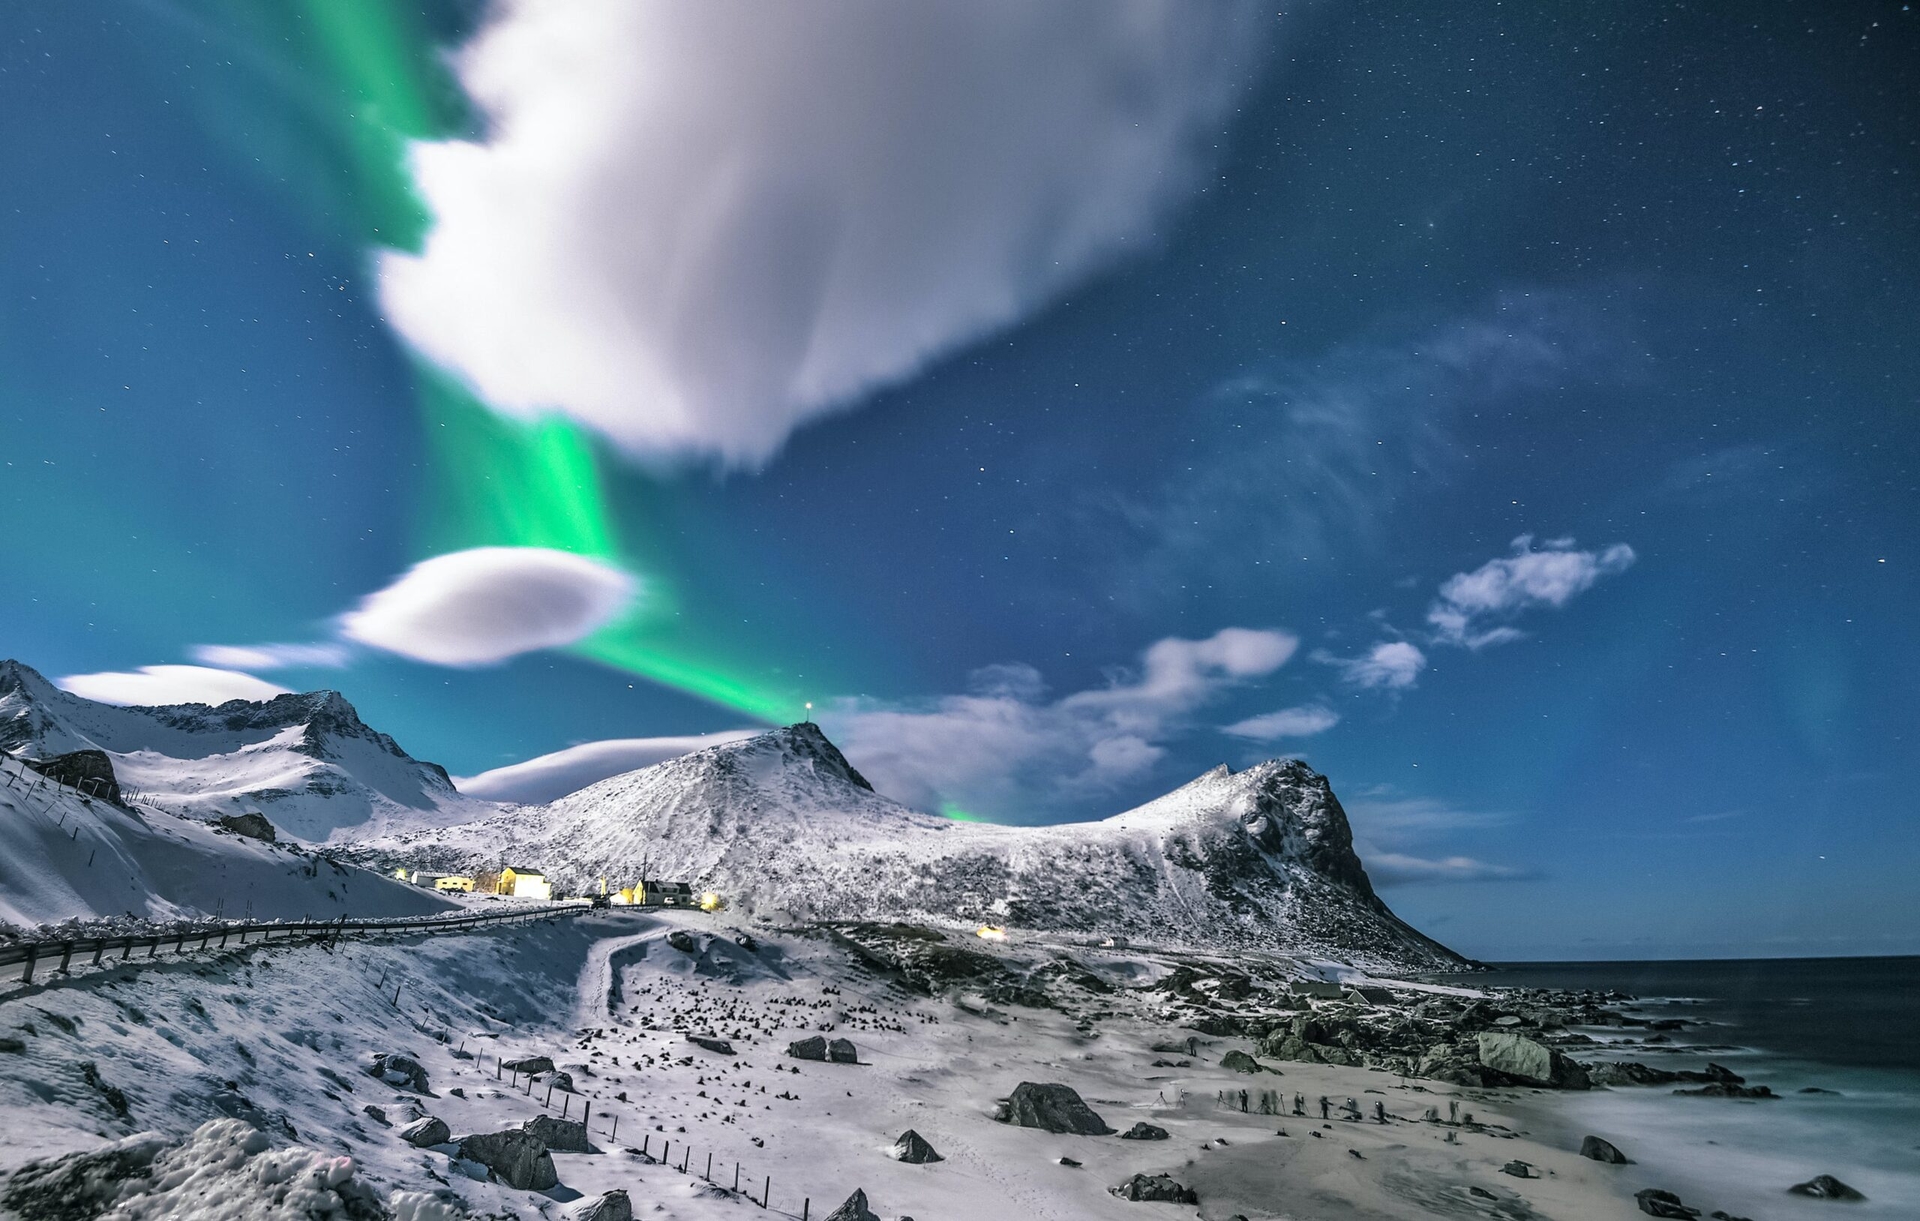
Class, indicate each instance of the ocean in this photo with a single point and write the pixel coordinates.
(1848, 1025)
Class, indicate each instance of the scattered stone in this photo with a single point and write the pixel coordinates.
(398, 1068)
(1657, 1203)
(1158, 1188)
(12, 1046)
(683, 941)
(913, 1149)
(855, 1209)
(1052, 1108)
(613, 1206)
(747, 943)
(1481, 1193)
(1240, 1062)
(376, 1114)
(1805, 1089)
(1519, 1169)
(565, 1135)
(561, 1079)
(813, 1047)
(1069, 1163)
(516, 1157)
(1144, 1131)
(1825, 1187)
(529, 1064)
(426, 1132)
(1721, 1089)
(1603, 1151)
(718, 1046)
(253, 825)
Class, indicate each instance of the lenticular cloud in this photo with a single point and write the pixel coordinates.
(696, 226)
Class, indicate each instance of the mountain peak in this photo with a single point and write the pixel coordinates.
(807, 742)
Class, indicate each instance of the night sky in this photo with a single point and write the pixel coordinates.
(1533, 387)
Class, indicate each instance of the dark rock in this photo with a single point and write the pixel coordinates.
(1603, 1151)
(1805, 1089)
(1720, 1214)
(1051, 1108)
(89, 771)
(376, 1114)
(253, 825)
(913, 1149)
(12, 1046)
(1069, 1163)
(529, 1064)
(1825, 1187)
(1519, 1169)
(561, 1079)
(81, 1186)
(842, 1051)
(1158, 1188)
(747, 943)
(1480, 1193)
(683, 941)
(613, 1206)
(1657, 1203)
(399, 1069)
(1240, 1062)
(566, 1135)
(1630, 1072)
(425, 1132)
(1144, 1131)
(516, 1157)
(718, 1046)
(1721, 1089)
(813, 1047)
(855, 1209)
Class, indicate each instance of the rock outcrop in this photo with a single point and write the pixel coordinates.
(1155, 1188)
(1051, 1108)
(516, 1157)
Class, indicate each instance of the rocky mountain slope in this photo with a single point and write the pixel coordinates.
(1260, 858)
(305, 761)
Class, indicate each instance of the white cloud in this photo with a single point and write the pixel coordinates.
(327, 656)
(1392, 665)
(1389, 825)
(1004, 742)
(151, 686)
(696, 226)
(1301, 722)
(1472, 606)
(1399, 869)
(550, 777)
(477, 607)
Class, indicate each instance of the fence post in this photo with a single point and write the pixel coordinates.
(586, 1108)
(33, 952)
(806, 1208)
(708, 1176)
(66, 956)
(615, 1134)
(766, 1192)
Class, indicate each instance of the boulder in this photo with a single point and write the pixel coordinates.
(855, 1209)
(683, 941)
(399, 1069)
(1240, 1062)
(1051, 1108)
(1519, 1057)
(376, 1114)
(1157, 1188)
(1657, 1203)
(529, 1064)
(88, 771)
(717, 1046)
(252, 825)
(1825, 1187)
(1144, 1131)
(1722, 1089)
(913, 1149)
(842, 1051)
(613, 1206)
(516, 1157)
(566, 1135)
(1603, 1151)
(1520, 1170)
(426, 1132)
(561, 1079)
(813, 1047)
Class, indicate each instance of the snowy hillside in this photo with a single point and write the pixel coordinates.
(305, 761)
(1261, 858)
(64, 857)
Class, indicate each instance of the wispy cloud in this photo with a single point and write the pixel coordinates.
(552, 776)
(1475, 608)
(1391, 829)
(151, 686)
(1392, 665)
(696, 226)
(1004, 744)
(326, 655)
(1400, 869)
(1301, 722)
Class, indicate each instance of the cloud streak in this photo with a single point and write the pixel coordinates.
(1392, 665)
(1003, 742)
(552, 776)
(1475, 608)
(694, 227)
(1301, 722)
(153, 686)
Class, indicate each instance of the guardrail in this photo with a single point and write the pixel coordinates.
(100, 951)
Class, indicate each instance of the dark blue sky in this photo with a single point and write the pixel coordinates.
(1636, 274)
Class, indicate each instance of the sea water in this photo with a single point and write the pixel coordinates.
(1850, 1025)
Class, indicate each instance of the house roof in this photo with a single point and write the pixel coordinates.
(525, 873)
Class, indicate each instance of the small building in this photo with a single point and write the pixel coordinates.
(665, 894)
(524, 883)
(1320, 989)
(1364, 995)
(449, 882)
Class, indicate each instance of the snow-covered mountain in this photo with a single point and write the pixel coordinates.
(305, 761)
(1260, 858)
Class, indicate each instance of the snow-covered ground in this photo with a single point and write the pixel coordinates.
(282, 1039)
